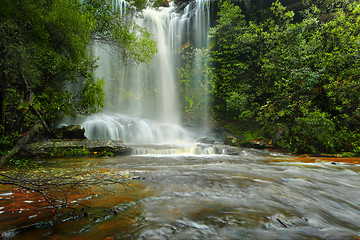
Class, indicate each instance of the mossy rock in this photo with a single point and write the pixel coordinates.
(69, 132)
(75, 148)
(232, 141)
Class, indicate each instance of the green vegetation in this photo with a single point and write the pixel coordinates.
(79, 152)
(194, 85)
(297, 81)
(44, 47)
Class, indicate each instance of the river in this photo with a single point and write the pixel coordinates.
(256, 194)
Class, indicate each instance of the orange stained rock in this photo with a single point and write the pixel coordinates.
(308, 159)
(109, 238)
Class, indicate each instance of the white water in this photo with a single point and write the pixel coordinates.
(143, 101)
(182, 149)
(254, 195)
(133, 130)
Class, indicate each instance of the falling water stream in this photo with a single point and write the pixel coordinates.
(142, 103)
(255, 194)
(178, 189)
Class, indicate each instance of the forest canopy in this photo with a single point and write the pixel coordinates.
(296, 80)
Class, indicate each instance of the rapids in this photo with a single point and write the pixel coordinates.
(253, 195)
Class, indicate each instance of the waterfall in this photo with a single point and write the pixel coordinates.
(120, 6)
(142, 103)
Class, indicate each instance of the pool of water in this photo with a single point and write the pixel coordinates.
(255, 194)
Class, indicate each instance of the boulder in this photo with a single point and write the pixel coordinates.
(232, 141)
(260, 143)
(69, 132)
(205, 140)
(220, 133)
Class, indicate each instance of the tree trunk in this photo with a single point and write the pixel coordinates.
(29, 99)
(20, 143)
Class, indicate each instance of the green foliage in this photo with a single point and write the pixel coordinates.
(131, 41)
(72, 152)
(300, 80)
(78, 152)
(194, 85)
(322, 8)
(6, 142)
(44, 46)
(139, 4)
(92, 97)
(21, 164)
(159, 3)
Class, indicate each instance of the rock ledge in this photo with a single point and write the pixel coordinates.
(73, 148)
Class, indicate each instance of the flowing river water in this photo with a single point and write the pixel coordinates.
(256, 194)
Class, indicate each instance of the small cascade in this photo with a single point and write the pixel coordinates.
(133, 130)
(188, 149)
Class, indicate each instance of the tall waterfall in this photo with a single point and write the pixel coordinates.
(142, 103)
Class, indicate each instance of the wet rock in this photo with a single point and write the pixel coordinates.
(181, 7)
(205, 140)
(282, 220)
(232, 141)
(71, 148)
(179, 2)
(220, 133)
(69, 132)
(109, 238)
(260, 143)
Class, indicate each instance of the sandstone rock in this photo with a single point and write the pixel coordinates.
(72, 148)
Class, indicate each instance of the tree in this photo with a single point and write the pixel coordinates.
(296, 79)
(308, 58)
(44, 48)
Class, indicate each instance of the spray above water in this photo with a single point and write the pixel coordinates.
(133, 130)
(143, 101)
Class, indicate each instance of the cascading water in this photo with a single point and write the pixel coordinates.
(142, 102)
